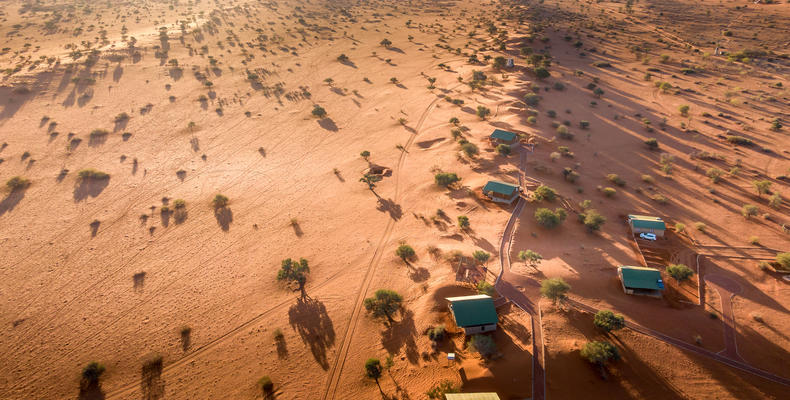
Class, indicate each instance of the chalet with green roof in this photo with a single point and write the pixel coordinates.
(500, 136)
(471, 396)
(641, 280)
(475, 314)
(645, 224)
(501, 192)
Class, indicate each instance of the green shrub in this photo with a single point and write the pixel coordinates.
(266, 384)
(684, 110)
(544, 192)
(384, 304)
(486, 288)
(219, 201)
(680, 272)
(463, 222)
(592, 219)
(483, 112)
(446, 179)
(503, 149)
(17, 183)
(483, 345)
(554, 289)
(92, 174)
(562, 132)
(91, 374)
(739, 140)
(608, 321)
(531, 99)
(714, 174)
(749, 210)
(652, 143)
(470, 149)
(616, 179)
(680, 227)
(318, 111)
(405, 252)
(783, 259)
(599, 353)
(609, 191)
(550, 219)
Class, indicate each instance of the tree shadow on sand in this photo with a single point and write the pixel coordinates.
(328, 124)
(390, 207)
(151, 383)
(402, 334)
(89, 188)
(10, 201)
(224, 217)
(91, 392)
(310, 319)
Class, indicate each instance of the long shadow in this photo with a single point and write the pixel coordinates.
(10, 201)
(328, 124)
(151, 383)
(117, 73)
(310, 319)
(402, 334)
(91, 392)
(390, 207)
(224, 217)
(89, 188)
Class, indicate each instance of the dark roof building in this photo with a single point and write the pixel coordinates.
(646, 224)
(641, 280)
(501, 192)
(500, 136)
(475, 314)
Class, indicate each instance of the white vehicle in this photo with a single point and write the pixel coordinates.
(647, 236)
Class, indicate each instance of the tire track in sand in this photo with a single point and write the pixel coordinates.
(336, 370)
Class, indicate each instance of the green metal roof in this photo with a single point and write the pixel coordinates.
(643, 221)
(641, 278)
(471, 396)
(500, 187)
(473, 310)
(503, 135)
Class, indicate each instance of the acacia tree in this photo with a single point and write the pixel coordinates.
(370, 180)
(530, 257)
(386, 43)
(555, 289)
(405, 252)
(608, 321)
(481, 256)
(599, 353)
(294, 273)
(373, 370)
(384, 304)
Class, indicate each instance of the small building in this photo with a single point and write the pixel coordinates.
(471, 396)
(501, 192)
(475, 314)
(645, 224)
(500, 136)
(641, 280)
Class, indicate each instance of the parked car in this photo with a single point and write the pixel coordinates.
(648, 236)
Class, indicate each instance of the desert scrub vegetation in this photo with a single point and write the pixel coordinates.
(652, 143)
(468, 148)
(463, 222)
(680, 272)
(483, 345)
(17, 183)
(599, 353)
(91, 375)
(749, 210)
(91, 174)
(608, 321)
(483, 112)
(739, 140)
(714, 174)
(266, 385)
(443, 387)
(554, 289)
(384, 304)
(318, 111)
(485, 288)
(294, 273)
(550, 219)
(616, 179)
(592, 219)
(446, 179)
(405, 252)
(220, 201)
(544, 192)
(609, 192)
